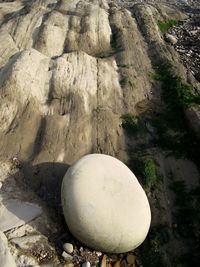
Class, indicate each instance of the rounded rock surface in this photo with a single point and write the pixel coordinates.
(68, 247)
(104, 205)
(66, 256)
(86, 264)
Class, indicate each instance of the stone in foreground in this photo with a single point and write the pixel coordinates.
(104, 205)
(68, 247)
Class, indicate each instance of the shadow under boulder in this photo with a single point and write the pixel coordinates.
(45, 180)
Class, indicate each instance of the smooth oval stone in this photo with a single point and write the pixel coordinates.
(86, 264)
(68, 247)
(66, 256)
(104, 205)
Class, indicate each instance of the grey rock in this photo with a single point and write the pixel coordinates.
(86, 264)
(15, 213)
(68, 247)
(66, 256)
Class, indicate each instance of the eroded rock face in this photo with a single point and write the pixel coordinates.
(56, 87)
(26, 75)
(104, 205)
(67, 79)
(80, 66)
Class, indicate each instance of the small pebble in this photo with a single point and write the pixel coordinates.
(130, 259)
(86, 264)
(68, 247)
(66, 256)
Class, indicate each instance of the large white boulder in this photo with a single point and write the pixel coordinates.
(104, 205)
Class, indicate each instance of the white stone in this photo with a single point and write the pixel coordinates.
(86, 264)
(102, 198)
(6, 259)
(14, 213)
(68, 247)
(66, 256)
